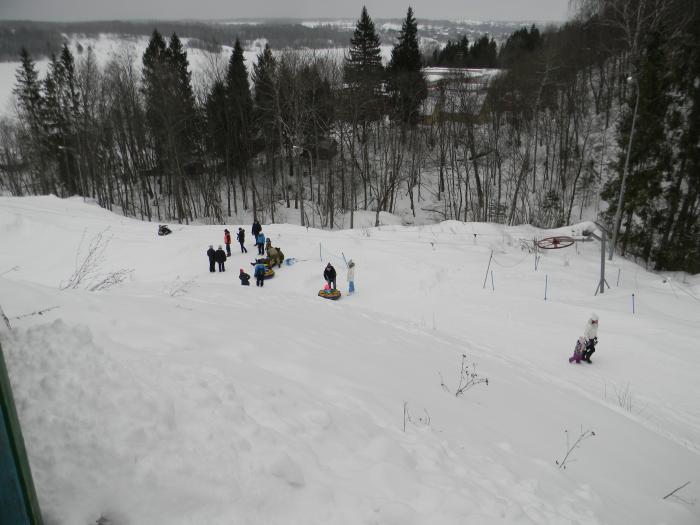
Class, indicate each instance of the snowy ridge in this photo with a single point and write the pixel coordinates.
(181, 397)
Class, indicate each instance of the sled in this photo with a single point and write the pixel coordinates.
(164, 230)
(269, 272)
(329, 294)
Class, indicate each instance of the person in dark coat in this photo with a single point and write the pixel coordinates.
(212, 258)
(329, 275)
(255, 230)
(227, 242)
(241, 239)
(259, 273)
(244, 277)
(220, 256)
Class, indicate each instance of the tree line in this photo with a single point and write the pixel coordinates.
(540, 143)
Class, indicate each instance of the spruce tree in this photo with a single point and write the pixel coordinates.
(407, 84)
(265, 94)
(363, 69)
(182, 100)
(28, 91)
(240, 105)
(156, 79)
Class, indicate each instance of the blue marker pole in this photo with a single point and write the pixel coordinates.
(546, 280)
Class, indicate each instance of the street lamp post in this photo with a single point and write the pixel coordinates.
(625, 172)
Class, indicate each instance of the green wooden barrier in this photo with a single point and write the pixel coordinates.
(18, 502)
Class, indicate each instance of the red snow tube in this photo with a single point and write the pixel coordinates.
(329, 294)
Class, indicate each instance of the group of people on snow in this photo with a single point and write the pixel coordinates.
(330, 276)
(274, 257)
(216, 257)
(583, 350)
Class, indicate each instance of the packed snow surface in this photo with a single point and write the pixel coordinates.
(181, 397)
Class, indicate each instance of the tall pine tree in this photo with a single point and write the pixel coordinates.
(363, 70)
(28, 91)
(406, 81)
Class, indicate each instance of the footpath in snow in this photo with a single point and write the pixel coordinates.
(179, 396)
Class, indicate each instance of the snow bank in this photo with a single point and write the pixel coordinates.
(181, 397)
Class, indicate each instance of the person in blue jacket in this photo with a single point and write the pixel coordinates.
(260, 242)
(259, 272)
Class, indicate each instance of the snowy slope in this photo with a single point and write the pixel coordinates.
(179, 396)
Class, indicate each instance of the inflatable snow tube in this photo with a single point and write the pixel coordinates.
(269, 272)
(329, 294)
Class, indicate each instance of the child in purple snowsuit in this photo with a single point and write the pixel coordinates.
(578, 350)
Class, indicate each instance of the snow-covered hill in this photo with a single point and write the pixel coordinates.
(179, 396)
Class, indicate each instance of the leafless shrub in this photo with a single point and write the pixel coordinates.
(13, 269)
(180, 287)
(37, 312)
(585, 434)
(111, 279)
(88, 262)
(468, 378)
(623, 396)
(422, 420)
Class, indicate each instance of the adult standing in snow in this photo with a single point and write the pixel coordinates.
(220, 256)
(244, 277)
(259, 272)
(329, 275)
(212, 258)
(255, 230)
(260, 242)
(351, 276)
(241, 239)
(590, 334)
(227, 242)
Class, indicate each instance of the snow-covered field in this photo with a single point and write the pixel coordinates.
(181, 397)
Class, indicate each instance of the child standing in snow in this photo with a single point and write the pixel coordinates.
(227, 242)
(351, 276)
(578, 350)
(590, 335)
(259, 273)
(260, 241)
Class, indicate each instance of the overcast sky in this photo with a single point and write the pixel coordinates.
(74, 10)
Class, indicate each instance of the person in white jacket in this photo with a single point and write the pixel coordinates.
(351, 276)
(590, 334)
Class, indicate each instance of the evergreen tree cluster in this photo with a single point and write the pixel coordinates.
(483, 53)
(541, 142)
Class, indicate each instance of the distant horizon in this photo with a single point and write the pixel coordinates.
(281, 18)
(207, 10)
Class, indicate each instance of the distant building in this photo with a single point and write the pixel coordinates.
(455, 93)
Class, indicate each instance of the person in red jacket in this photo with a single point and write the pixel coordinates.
(227, 242)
